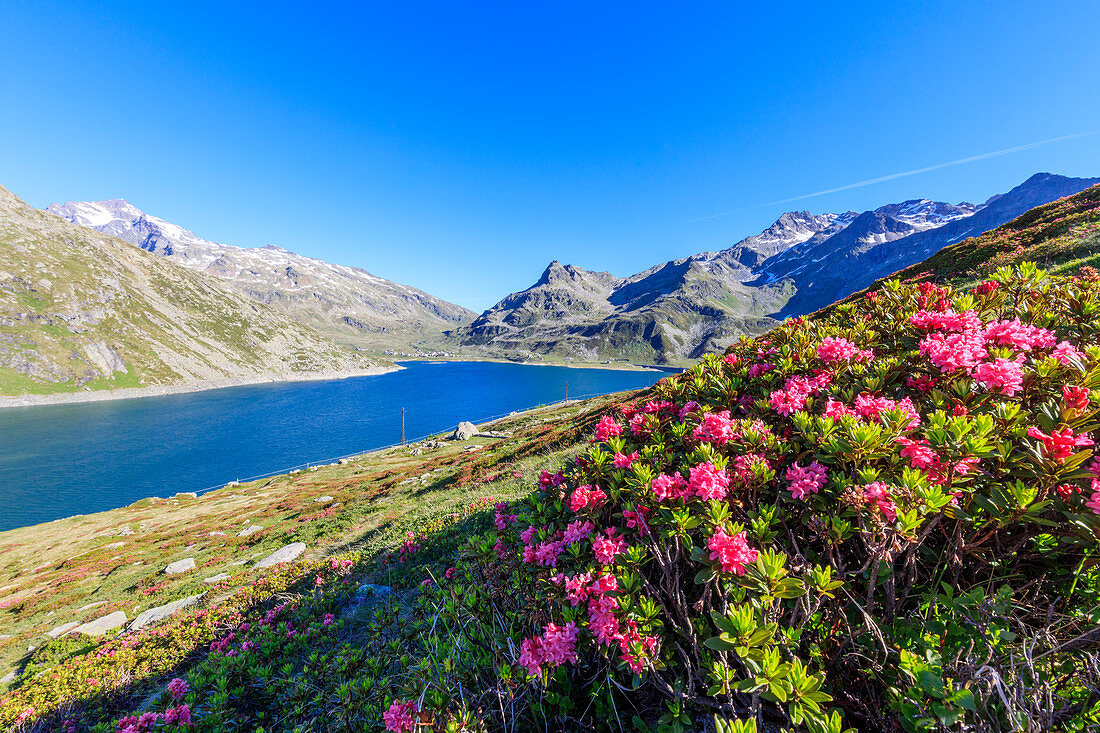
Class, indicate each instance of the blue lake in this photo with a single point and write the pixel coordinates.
(61, 460)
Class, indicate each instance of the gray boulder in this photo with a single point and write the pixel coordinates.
(464, 431)
(62, 629)
(180, 566)
(161, 612)
(251, 529)
(216, 578)
(102, 625)
(286, 553)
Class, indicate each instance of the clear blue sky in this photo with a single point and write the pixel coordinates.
(459, 147)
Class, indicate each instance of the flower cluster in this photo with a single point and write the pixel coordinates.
(556, 646)
(732, 552)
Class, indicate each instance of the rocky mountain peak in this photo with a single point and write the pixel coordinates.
(352, 299)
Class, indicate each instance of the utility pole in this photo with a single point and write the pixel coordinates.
(402, 426)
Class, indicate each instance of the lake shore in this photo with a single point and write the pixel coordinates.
(612, 366)
(159, 390)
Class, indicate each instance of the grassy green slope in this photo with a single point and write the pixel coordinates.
(85, 567)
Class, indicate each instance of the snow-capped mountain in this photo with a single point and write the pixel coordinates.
(701, 303)
(348, 300)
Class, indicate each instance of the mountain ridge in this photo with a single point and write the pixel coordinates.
(681, 308)
(347, 303)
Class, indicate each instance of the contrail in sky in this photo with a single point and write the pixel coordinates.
(892, 176)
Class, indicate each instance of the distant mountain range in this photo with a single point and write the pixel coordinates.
(683, 308)
(347, 303)
(83, 307)
(80, 310)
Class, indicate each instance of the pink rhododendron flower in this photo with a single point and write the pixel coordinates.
(528, 535)
(987, 287)
(670, 487)
(180, 715)
(637, 520)
(606, 548)
(559, 644)
(793, 396)
(547, 553)
(502, 520)
(607, 427)
(604, 584)
(624, 461)
(948, 320)
(760, 368)
(602, 621)
(744, 465)
(870, 407)
(954, 351)
(1003, 375)
(731, 551)
(586, 496)
(1023, 336)
(716, 428)
(731, 359)
(877, 495)
(1094, 502)
(805, 481)
(833, 349)
(399, 718)
(836, 349)
(577, 531)
(576, 587)
(708, 482)
(177, 688)
(1067, 354)
(919, 453)
(1076, 398)
(548, 480)
(837, 410)
(923, 384)
(1060, 444)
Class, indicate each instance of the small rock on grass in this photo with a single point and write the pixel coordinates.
(153, 615)
(101, 625)
(217, 578)
(464, 431)
(62, 629)
(286, 553)
(180, 566)
(251, 529)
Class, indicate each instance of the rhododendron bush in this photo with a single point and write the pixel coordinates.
(886, 519)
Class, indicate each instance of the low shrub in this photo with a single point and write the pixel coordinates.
(886, 519)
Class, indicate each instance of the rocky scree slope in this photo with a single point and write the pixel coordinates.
(348, 303)
(80, 309)
(686, 307)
